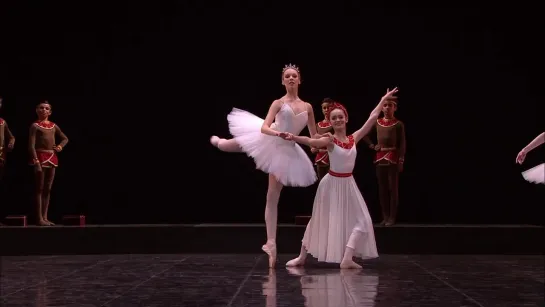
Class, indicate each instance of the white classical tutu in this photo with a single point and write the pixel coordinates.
(286, 160)
(338, 208)
(535, 174)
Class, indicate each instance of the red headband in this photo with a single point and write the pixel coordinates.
(336, 105)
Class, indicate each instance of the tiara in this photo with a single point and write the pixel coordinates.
(290, 66)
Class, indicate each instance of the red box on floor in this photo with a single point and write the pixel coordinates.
(16, 220)
(73, 220)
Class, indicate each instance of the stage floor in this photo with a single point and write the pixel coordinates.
(400, 239)
(245, 280)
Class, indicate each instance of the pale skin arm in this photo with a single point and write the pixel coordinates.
(311, 124)
(366, 128)
(540, 139)
(273, 110)
(311, 142)
(321, 131)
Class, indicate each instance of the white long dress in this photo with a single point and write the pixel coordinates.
(339, 211)
(536, 174)
(286, 160)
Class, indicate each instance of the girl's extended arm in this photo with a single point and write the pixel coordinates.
(366, 128)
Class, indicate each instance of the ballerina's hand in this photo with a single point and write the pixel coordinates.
(286, 136)
(521, 156)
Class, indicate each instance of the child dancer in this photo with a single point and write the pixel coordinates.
(43, 137)
(5, 135)
(537, 173)
(322, 161)
(340, 226)
(286, 163)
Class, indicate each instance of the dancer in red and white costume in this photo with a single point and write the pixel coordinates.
(537, 173)
(341, 226)
(5, 135)
(43, 150)
(286, 162)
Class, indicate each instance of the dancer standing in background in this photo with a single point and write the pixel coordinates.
(322, 160)
(5, 137)
(535, 174)
(286, 163)
(43, 150)
(7, 142)
(389, 159)
(340, 227)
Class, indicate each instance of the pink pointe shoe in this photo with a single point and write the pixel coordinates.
(270, 249)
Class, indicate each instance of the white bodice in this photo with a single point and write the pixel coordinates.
(342, 160)
(287, 121)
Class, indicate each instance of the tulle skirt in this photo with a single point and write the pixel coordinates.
(339, 210)
(535, 174)
(286, 160)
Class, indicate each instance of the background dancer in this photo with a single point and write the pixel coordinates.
(7, 142)
(42, 139)
(389, 159)
(340, 227)
(5, 137)
(286, 163)
(322, 160)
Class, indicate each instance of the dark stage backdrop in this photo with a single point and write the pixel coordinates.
(139, 89)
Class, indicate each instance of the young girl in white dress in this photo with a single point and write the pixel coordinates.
(537, 173)
(286, 163)
(340, 227)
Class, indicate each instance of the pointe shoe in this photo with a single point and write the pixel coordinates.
(295, 262)
(270, 249)
(214, 140)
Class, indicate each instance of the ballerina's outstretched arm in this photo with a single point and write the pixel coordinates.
(540, 139)
(366, 128)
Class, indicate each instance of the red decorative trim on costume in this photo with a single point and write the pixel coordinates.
(324, 125)
(41, 124)
(47, 158)
(322, 157)
(387, 155)
(387, 123)
(345, 145)
(343, 175)
(2, 122)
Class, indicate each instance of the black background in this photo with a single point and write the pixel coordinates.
(139, 89)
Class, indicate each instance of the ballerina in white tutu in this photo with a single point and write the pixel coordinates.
(535, 174)
(340, 227)
(286, 162)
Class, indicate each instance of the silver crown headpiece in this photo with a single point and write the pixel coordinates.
(291, 66)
